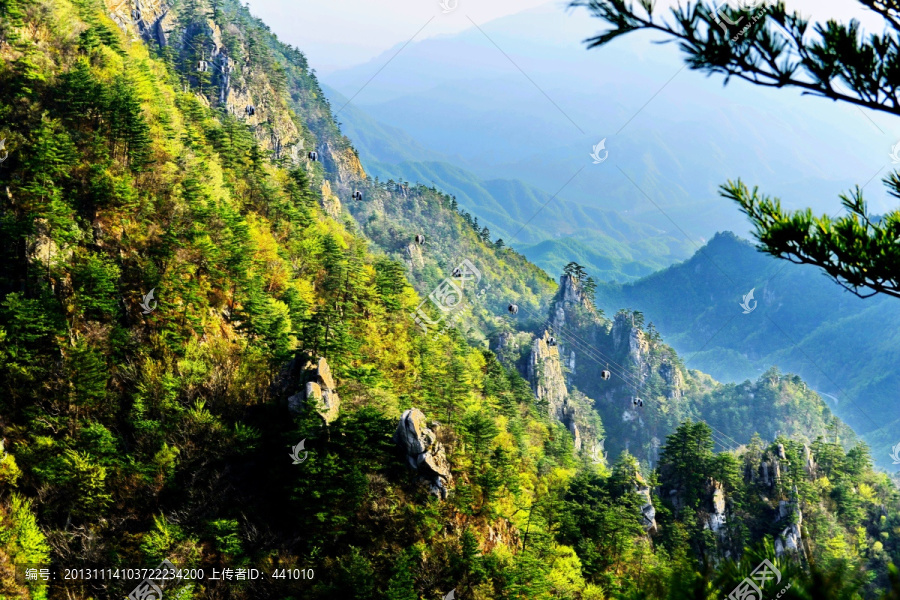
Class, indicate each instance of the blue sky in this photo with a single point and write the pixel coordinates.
(337, 34)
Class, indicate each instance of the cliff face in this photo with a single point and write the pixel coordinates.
(548, 381)
(545, 373)
(246, 75)
(642, 369)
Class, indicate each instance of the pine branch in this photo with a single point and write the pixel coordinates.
(775, 50)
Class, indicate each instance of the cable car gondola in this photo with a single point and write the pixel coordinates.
(313, 156)
(551, 341)
(357, 195)
(605, 374)
(420, 239)
(251, 110)
(513, 309)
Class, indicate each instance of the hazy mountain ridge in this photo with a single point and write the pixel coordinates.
(693, 136)
(549, 233)
(802, 321)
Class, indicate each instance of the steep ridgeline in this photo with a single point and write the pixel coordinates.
(797, 331)
(424, 230)
(649, 391)
(231, 62)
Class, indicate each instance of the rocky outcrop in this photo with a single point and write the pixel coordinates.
(629, 338)
(715, 520)
(424, 452)
(648, 511)
(548, 381)
(545, 373)
(414, 255)
(568, 296)
(789, 541)
(218, 78)
(150, 19)
(330, 202)
(809, 462)
(317, 390)
(674, 380)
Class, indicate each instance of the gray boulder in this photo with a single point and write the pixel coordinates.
(317, 390)
(424, 453)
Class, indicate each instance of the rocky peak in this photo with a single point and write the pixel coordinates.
(568, 296)
(629, 337)
(424, 453)
(316, 389)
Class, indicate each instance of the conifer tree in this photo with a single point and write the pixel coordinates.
(767, 45)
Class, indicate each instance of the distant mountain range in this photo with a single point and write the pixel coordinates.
(549, 233)
(673, 135)
(845, 347)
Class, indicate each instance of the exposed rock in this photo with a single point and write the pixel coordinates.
(423, 452)
(414, 252)
(790, 539)
(330, 202)
(809, 461)
(648, 511)
(548, 381)
(317, 389)
(505, 340)
(716, 519)
(546, 375)
(674, 380)
(42, 250)
(626, 335)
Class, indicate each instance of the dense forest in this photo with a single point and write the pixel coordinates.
(209, 356)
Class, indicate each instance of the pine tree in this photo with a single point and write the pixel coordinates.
(402, 583)
(766, 45)
(128, 128)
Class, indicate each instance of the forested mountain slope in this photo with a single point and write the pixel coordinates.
(273, 405)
